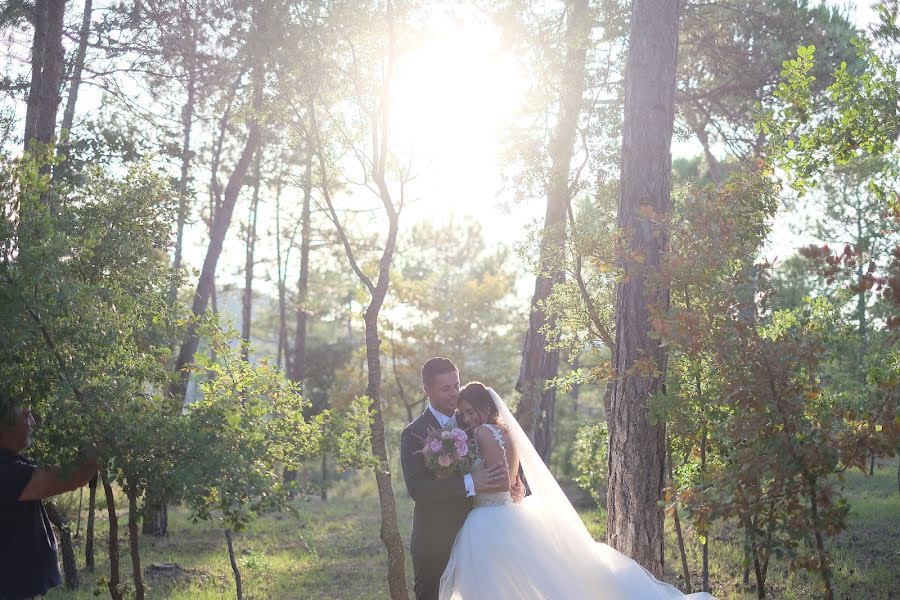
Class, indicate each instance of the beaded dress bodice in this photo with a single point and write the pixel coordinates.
(496, 498)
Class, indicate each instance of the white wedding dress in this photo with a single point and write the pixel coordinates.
(539, 549)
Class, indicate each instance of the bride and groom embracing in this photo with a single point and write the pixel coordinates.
(477, 537)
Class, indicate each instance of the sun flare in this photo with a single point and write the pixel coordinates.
(454, 98)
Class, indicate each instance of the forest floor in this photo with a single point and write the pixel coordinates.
(332, 550)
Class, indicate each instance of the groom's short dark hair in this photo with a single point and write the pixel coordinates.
(436, 366)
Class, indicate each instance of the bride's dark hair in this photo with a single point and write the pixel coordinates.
(476, 394)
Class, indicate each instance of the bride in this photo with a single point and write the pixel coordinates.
(539, 548)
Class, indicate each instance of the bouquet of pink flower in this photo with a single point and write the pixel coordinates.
(448, 451)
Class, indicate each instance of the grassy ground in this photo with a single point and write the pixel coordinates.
(331, 550)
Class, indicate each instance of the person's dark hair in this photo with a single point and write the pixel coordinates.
(436, 366)
(476, 394)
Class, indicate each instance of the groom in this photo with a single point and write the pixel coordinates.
(441, 505)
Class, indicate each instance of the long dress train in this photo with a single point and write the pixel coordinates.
(539, 549)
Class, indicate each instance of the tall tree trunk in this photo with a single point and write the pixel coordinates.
(114, 581)
(155, 518)
(247, 304)
(47, 59)
(61, 522)
(298, 363)
(536, 410)
(184, 208)
(637, 448)
(239, 587)
(134, 541)
(89, 536)
(220, 228)
(282, 287)
(390, 530)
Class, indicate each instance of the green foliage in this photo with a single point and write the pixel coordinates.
(590, 459)
(246, 425)
(83, 305)
(861, 120)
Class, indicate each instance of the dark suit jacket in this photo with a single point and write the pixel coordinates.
(441, 506)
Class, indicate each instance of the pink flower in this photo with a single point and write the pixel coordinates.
(446, 435)
(461, 448)
(445, 460)
(435, 446)
(459, 434)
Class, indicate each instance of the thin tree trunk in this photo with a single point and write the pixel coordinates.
(234, 566)
(637, 448)
(134, 541)
(247, 304)
(686, 572)
(747, 558)
(282, 292)
(539, 365)
(66, 549)
(704, 576)
(114, 576)
(80, 506)
(824, 563)
(155, 518)
(77, 69)
(89, 536)
(298, 363)
(220, 228)
(760, 577)
(712, 163)
(187, 122)
(390, 530)
(324, 490)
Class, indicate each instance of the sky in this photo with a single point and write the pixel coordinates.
(454, 100)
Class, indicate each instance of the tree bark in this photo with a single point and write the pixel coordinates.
(247, 304)
(637, 448)
(539, 365)
(114, 576)
(134, 541)
(47, 59)
(66, 549)
(390, 531)
(89, 535)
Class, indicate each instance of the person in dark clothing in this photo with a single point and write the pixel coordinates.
(28, 561)
(441, 505)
